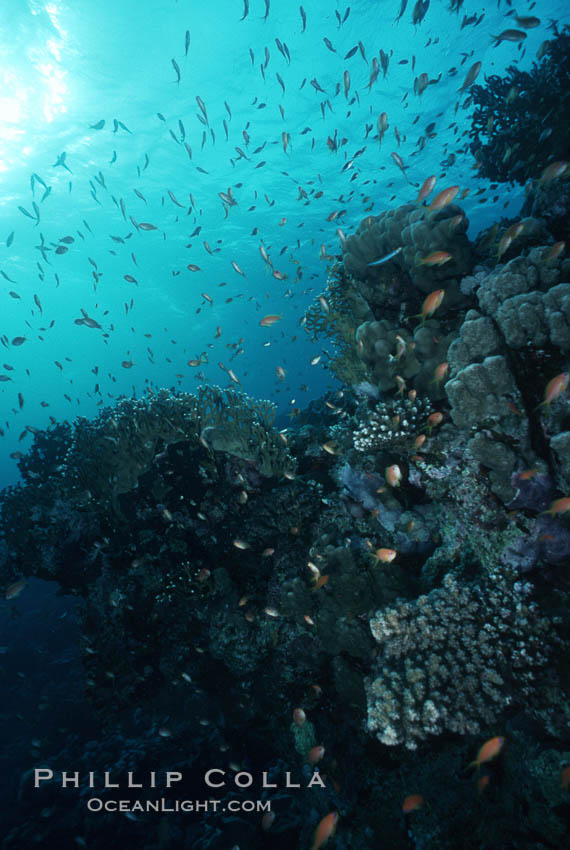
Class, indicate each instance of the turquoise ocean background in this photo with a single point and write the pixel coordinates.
(68, 66)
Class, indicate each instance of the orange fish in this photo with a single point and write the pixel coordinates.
(444, 198)
(482, 782)
(560, 506)
(554, 388)
(267, 820)
(565, 777)
(555, 251)
(14, 590)
(267, 321)
(509, 237)
(427, 187)
(280, 372)
(488, 751)
(412, 802)
(385, 555)
(316, 754)
(527, 474)
(320, 582)
(430, 305)
(299, 716)
(434, 419)
(456, 220)
(330, 447)
(400, 346)
(436, 258)
(325, 830)
(554, 170)
(401, 384)
(393, 475)
(440, 372)
(514, 409)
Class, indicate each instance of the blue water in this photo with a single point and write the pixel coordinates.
(68, 65)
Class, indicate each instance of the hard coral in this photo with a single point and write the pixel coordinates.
(363, 307)
(453, 660)
(394, 423)
(378, 343)
(418, 232)
(107, 455)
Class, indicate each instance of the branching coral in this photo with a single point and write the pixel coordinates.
(394, 423)
(524, 116)
(336, 314)
(549, 202)
(454, 659)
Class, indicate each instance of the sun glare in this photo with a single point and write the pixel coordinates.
(36, 89)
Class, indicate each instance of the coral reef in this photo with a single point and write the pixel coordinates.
(366, 310)
(337, 313)
(524, 116)
(397, 422)
(390, 353)
(105, 457)
(529, 296)
(498, 358)
(453, 660)
(418, 232)
(230, 573)
(550, 203)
